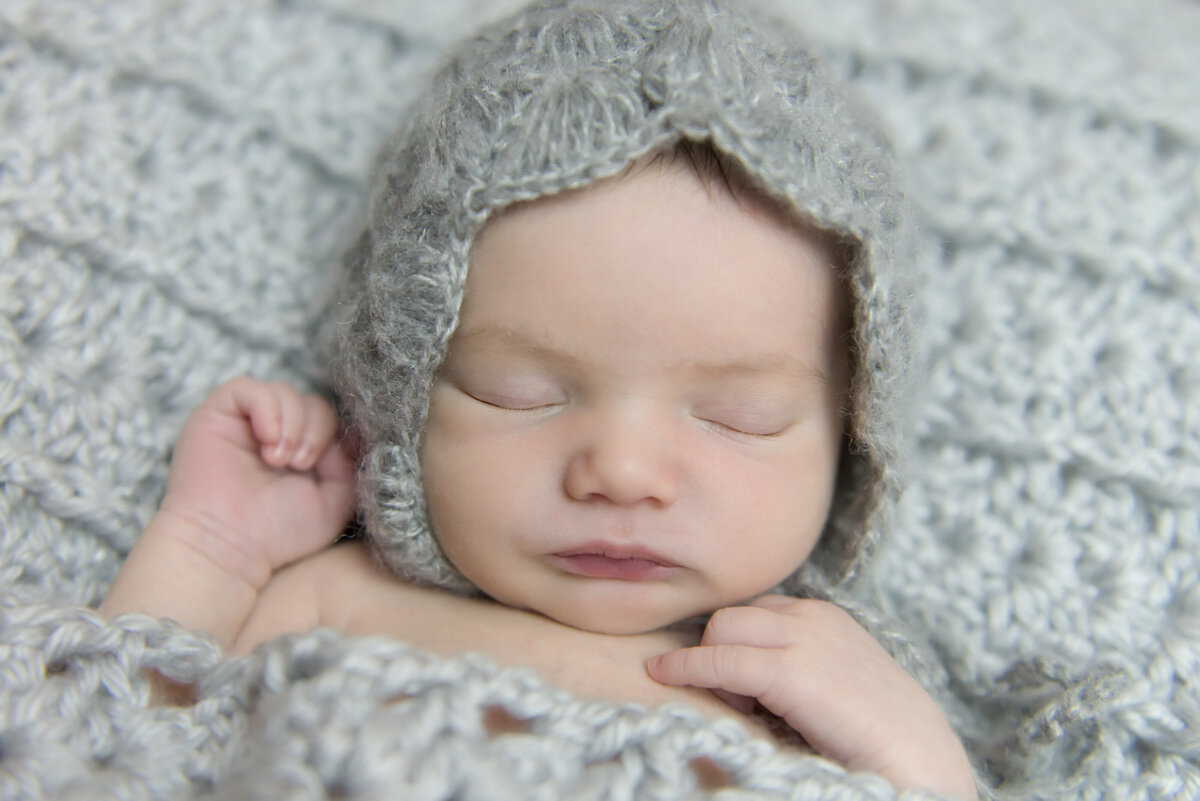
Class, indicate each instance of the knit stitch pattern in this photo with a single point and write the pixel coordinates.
(177, 179)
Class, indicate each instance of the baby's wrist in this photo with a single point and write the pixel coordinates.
(174, 571)
(212, 545)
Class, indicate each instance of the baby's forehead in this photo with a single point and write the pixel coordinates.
(683, 168)
(651, 256)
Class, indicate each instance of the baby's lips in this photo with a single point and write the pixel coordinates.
(602, 566)
(619, 551)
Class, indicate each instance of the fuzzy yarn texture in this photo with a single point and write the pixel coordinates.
(175, 182)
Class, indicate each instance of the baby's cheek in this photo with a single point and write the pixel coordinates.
(772, 515)
(459, 448)
(479, 485)
(453, 418)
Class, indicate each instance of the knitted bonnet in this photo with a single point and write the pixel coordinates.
(556, 97)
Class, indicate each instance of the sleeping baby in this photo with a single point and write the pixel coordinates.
(621, 355)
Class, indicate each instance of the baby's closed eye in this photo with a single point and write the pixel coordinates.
(751, 414)
(748, 422)
(507, 388)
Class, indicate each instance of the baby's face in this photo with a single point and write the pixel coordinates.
(639, 417)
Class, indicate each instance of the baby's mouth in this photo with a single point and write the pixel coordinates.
(600, 560)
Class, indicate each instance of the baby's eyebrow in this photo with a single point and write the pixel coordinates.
(765, 364)
(549, 347)
(493, 335)
(542, 346)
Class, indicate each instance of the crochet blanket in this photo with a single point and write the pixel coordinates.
(176, 180)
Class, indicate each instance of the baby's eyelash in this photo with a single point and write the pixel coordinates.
(511, 405)
(731, 431)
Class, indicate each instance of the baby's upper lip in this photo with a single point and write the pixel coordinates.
(613, 550)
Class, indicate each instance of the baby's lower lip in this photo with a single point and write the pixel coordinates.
(594, 565)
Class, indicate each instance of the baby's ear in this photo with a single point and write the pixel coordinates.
(352, 445)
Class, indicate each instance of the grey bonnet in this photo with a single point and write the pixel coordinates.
(554, 98)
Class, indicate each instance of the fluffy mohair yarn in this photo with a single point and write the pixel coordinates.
(566, 93)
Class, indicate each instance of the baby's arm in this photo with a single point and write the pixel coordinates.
(811, 664)
(259, 479)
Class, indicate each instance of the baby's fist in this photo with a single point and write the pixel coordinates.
(261, 477)
(811, 664)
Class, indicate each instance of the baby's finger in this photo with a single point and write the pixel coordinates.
(293, 414)
(320, 427)
(737, 669)
(255, 402)
(339, 462)
(337, 479)
(749, 625)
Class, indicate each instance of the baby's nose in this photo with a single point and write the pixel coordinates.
(623, 462)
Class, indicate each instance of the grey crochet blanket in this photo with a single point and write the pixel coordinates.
(176, 180)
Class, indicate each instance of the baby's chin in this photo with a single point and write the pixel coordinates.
(626, 622)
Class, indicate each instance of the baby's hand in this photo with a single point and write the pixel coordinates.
(811, 664)
(260, 478)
